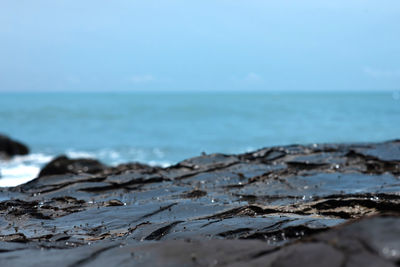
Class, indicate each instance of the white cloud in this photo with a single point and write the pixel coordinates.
(142, 78)
(382, 73)
(253, 77)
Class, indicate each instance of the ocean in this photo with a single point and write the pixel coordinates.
(165, 128)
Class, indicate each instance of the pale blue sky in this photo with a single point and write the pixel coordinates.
(199, 45)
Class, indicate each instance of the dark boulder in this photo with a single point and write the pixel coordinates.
(9, 147)
(64, 165)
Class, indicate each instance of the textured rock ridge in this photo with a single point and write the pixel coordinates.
(308, 205)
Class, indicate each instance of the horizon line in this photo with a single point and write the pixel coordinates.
(205, 91)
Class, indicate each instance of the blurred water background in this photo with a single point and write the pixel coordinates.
(165, 128)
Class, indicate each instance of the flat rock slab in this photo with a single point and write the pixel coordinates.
(368, 242)
(330, 204)
(389, 151)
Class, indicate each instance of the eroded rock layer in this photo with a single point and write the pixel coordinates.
(315, 205)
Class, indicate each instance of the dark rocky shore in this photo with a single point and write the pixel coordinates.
(315, 205)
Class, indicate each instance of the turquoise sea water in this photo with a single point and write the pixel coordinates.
(164, 128)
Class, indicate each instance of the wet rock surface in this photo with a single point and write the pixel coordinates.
(10, 147)
(314, 205)
(64, 165)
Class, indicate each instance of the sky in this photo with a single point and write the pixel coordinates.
(218, 45)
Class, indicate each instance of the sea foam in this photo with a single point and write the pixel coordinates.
(21, 169)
